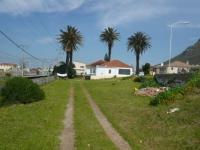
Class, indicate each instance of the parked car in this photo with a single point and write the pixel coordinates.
(141, 74)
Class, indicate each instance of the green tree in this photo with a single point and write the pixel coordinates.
(146, 68)
(109, 36)
(106, 57)
(138, 43)
(70, 39)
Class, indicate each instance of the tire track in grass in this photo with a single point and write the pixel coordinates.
(67, 137)
(89, 134)
(109, 130)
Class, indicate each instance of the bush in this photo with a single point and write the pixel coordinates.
(71, 72)
(149, 83)
(146, 68)
(193, 86)
(138, 79)
(168, 96)
(21, 90)
(8, 74)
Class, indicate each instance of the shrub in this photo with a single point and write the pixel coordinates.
(146, 68)
(21, 90)
(149, 83)
(71, 72)
(168, 96)
(193, 85)
(138, 79)
(8, 74)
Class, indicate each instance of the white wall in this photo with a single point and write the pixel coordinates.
(80, 68)
(103, 72)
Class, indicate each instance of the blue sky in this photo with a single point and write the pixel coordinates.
(36, 23)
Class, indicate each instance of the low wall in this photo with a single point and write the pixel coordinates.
(43, 80)
(172, 79)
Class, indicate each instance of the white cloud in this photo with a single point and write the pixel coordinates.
(28, 6)
(46, 40)
(109, 12)
(116, 12)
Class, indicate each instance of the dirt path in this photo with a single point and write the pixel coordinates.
(67, 137)
(109, 130)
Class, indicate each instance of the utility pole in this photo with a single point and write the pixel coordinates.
(173, 25)
(23, 59)
(22, 64)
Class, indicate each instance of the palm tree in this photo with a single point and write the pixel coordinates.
(138, 43)
(109, 36)
(70, 40)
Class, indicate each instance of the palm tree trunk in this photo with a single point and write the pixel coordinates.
(137, 63)
(71, 58)
(109, 51)
(67, 60)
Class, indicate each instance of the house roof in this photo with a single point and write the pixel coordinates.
(97, 63)
(175, 64)
(112, 63)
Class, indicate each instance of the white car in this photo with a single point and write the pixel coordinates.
(141, 74)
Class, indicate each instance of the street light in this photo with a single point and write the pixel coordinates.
(171, 36)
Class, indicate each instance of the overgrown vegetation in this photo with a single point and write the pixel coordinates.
(149, 82)
(169, 96)
(138, 79)
(21, 90)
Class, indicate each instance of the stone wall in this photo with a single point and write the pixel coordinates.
(43, 80)
(172, 79)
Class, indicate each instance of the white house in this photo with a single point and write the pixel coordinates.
(80, 68)
(174, 68)
(104, 69)
(7, 66)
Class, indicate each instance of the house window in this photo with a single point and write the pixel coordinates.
(109, 71)
(172, 68)
(81, 66)
(92, 70)
(124, 71)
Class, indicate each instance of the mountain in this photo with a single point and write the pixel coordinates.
(191, 54)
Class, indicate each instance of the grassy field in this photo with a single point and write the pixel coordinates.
(144, 126)
(89, 133)
(38, 125)
(35, 126)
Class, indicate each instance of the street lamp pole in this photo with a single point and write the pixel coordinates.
(171, 37)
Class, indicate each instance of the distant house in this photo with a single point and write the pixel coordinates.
(80, 68)
(174, 68)
(104, 69)
(7, 66)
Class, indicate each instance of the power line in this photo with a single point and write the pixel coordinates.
(18, 46)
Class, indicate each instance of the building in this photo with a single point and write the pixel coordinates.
(80, 68)
(108, 69)
(7, 67)
(174, 68)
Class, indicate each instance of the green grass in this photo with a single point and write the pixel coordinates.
(37, 125)
(89, 133)
(144, 126)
